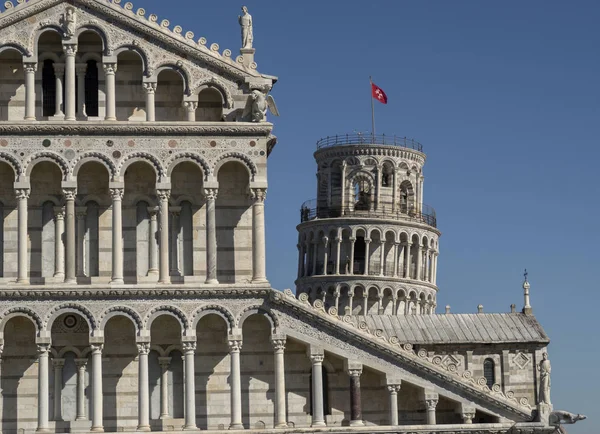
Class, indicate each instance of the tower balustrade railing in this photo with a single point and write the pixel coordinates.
(368, 139)
(310, 210)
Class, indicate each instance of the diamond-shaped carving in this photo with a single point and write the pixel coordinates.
(521, 360)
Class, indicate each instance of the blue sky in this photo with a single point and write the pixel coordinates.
(504, 98)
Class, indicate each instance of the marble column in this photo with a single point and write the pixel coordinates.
(69, 195)
(58, 365)
(190, 109)
(280, 407)
(150, 89)
(81, 365)
(300, 260)
(117, 235)
(393, 389)
(259, 273)
(189, 352)
(143, 387)
(163, 245)
(419, 271)
(318, 414)
(97, 417)
(59, 246)
(175, 212)
(431, 401)
(352, 241)
(367, 256)
(325, 255)
(22, 196)
(434, 272)
(110, 69)
(211, 236)
(42, 419)
(396, 259)
(80, 70)
(338, 253)
(30, 70)
(381, 257)
(153, 244)
(70, 50)
(59, 72)
(355, 371)
(81, 212)
(164, 363)
(407, 260)
(313, 271)
(235, 346)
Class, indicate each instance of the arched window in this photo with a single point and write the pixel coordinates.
(48, 89)
(488, 372)
(92, 240)
(362, 195)
(91, 88)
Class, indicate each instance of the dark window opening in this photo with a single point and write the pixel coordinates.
(48, 89)
(359, 255)
(488, 372)
(91, 88)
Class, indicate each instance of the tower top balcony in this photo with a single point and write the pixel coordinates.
(368, 140)
(311, 210)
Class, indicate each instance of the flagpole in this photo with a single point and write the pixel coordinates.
(372, 111)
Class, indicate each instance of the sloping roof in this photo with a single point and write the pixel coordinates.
(486, 328)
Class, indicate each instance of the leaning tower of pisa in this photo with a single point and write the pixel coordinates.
(368, 245)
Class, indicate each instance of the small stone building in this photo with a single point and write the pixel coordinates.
(133, 174)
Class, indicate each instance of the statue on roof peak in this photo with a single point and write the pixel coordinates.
(245, 21)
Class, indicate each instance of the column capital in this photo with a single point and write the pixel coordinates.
(81, 363)
(80, 212)
(164, 362)
(153, 211)
(467, 413)
(211, 193)
(117, 193)
(110, 67)
(163, 194)
(30, 67)
(259, 195)
(393, 388)
(353, 368)
(59, 68)
(143, 348)
(189, 347)
(175, 210)
(278, 343)
(97, 348)
(70, 49)
(22, 193)
(80, 68)
(43, 349)
(431, 400)
(69, 193)
(190, 106)
(235, 345)
(150, 87)
(58, 362)
(59, 212)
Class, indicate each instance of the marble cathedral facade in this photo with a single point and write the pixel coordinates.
(133, 167)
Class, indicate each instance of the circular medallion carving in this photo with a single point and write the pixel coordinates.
(131, 143)
(116, 154)
(3, 142)
(252, 143)
(68, 143)
(70, 321)
(172, 143)
(46, 143)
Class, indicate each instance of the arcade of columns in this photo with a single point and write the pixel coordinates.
(66, 253)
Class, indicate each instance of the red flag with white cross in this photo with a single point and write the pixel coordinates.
(378, 93)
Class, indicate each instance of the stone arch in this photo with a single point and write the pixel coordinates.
(88, 198)
(216, 309)
(82, 311)
(178, 68)
(122, 311)
(35, 37)
(137, 49)
(47, 55)
(190, 157)
(166, 310)
(159, 350)
(69, 349)
(216, 84)
(91, 56)
(98, 31)
(47, 156)
(24, 312)
(171, 348)
(375, 229)
(355, 230)
(16, 46)
(129, 159)
(96, 157)
(361, 174)
(258, 310)
(7, 158)
(239, 158)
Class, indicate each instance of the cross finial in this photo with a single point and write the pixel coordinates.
(525, 275)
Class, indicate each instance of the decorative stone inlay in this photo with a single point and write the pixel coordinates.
(521, 360)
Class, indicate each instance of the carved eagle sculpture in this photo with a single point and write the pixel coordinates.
(260, 104)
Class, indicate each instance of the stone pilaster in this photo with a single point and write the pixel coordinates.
(280, 407)
(235, 346)
(354, 370)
